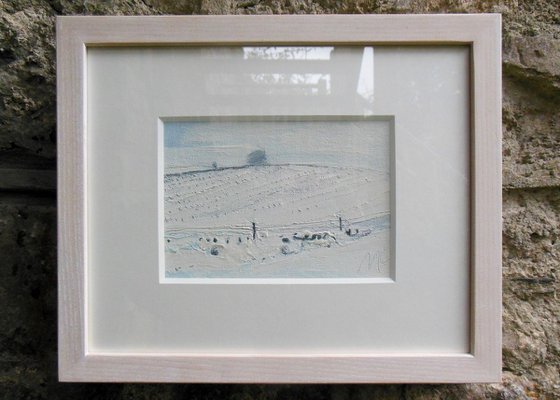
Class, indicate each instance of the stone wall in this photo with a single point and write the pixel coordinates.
(531, 208)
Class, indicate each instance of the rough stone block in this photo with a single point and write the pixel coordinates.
(531, 235)
(27, 296)
(531, 347)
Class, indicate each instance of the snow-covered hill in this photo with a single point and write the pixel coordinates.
(230, 222)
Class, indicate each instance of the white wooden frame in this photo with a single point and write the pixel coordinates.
(480, 32)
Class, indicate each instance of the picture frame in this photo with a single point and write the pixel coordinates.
(94, 347)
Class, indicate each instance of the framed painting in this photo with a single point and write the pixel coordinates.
(279, 198)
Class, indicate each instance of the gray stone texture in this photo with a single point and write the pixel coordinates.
(531, 207)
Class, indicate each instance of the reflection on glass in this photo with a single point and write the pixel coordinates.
(365, 81)
(314, 84)
(322, 74)
(287, 53)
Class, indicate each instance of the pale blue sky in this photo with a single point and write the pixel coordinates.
(197, 144)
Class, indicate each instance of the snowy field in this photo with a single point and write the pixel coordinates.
(277, 221)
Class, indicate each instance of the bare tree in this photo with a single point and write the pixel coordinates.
(257, 157)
